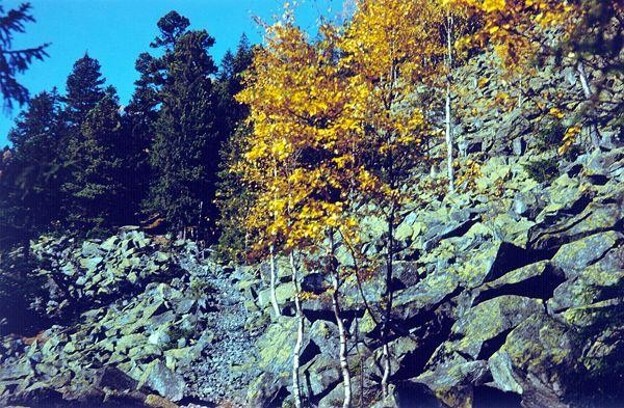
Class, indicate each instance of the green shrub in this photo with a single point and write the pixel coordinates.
(550, 136)
(543, 170)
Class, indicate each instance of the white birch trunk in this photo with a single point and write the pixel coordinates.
(589, 93)
(298, 345)
(344, 364)
(274, 303)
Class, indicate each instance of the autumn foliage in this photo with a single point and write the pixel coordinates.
(340, 123)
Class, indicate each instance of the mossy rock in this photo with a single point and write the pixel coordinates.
(600, 281)
(536, 361)
(276, 345)
(492, 318)
(424, 296)
(574, 257)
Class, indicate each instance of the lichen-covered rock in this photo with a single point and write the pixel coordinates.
(161, 379)
(574, 257)
(490, 319)
(536, 361)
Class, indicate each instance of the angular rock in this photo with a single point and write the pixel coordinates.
(574, 257)
(492, 318)
(536, 361)
(164, 381)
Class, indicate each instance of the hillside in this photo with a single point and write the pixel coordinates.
(507, 294)
(422, 207)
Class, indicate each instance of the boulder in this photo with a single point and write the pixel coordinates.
(574, 257)
(536, 361)
(164, 381)
(490, 319)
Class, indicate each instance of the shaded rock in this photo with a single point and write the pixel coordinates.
(325, 335)
(600, 281)
(335, 396)
(424, 296)
(266, 391)
(595, 217)
(572, 258)
(457, 224)
(316, 283)
(492, 318)
(452, 380)
(319, 375)
(538, 280)
(536, 360)
(164, 381)
(116, 379)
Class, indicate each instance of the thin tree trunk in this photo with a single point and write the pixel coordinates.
(299, 343)
(388, 306)
(344, 364)
(276, 307)
(594, 134)
(342, 354)
(449, 129)
(361, 355)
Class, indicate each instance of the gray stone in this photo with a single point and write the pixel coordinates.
(164, 381)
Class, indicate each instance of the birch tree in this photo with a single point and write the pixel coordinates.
(388, 47)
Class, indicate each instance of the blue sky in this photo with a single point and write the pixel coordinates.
(116, 31)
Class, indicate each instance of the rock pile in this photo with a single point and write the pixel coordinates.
(152, 321)
(516, 299)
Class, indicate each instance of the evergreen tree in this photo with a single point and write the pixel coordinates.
(36, 193)
(96, 187)
(234, 196)
(93, 179)
(11, 234)
(139, 118)
(229, 83)
(85, 88)
(184, 153)
(15, 61)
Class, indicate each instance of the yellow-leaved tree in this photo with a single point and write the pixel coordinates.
(388, 49)
(300, 159)
(522, 31)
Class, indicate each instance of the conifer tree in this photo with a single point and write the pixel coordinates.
(230, 113)
(96, 184)
(85, 88)
(16, 61)
(184, 154)
(36, 142)
(234, 196)
(138, 122)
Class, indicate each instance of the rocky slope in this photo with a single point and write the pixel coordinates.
(508, 293)
(506, 302)
(150, 324)
(513, 301)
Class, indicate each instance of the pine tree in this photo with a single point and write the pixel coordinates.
(36, 142)
(12, 234)
(84, 90)
(234, 196)
(96, 187)
(139, 118)
(184, 154)
(228, 84)
(15, 61)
